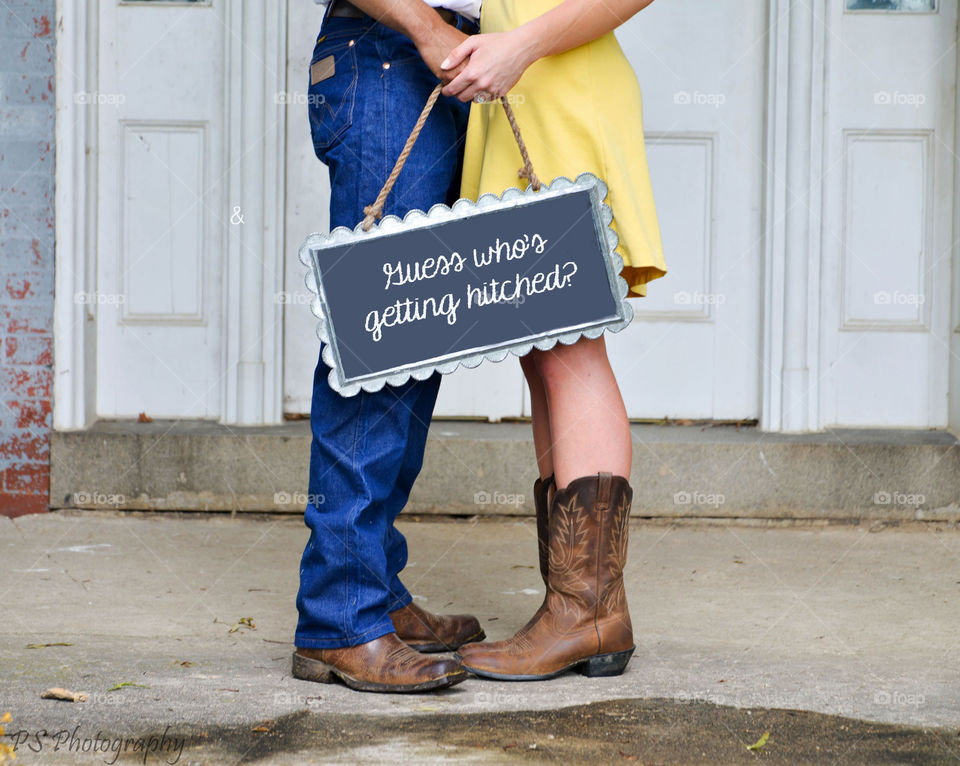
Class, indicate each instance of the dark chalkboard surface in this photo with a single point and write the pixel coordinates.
(458, 284)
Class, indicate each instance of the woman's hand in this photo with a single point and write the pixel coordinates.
(494, 64)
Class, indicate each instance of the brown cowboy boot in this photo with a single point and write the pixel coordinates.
(427, 632)
(385, 664)
(541, 500)
(585, 625)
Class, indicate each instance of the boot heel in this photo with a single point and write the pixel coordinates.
(307, 669)
(603, 665)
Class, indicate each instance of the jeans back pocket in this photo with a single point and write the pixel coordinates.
(332, 98)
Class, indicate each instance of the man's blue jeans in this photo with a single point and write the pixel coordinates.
(368, 449)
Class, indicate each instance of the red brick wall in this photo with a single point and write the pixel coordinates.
(26, 253)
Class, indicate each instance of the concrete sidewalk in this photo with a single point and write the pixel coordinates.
(838, 620)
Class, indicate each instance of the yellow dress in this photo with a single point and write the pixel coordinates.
(579, 112)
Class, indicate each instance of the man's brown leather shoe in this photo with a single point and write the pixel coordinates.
(385, 664)
(428, 632)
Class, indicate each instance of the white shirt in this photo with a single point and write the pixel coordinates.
(469, 8)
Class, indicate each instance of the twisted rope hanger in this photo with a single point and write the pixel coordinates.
(375, 211)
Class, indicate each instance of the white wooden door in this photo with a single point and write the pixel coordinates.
(693, 350)
(161, 219)
(888, 210)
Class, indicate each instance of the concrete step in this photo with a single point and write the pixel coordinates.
(488, 468)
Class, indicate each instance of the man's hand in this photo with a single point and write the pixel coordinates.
(434, 38)
(436, 47)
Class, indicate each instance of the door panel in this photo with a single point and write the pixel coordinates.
(161, 212)
(887, 219)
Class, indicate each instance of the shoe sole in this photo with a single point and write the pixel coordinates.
(598, 666)
(428, 648)
(307, 669)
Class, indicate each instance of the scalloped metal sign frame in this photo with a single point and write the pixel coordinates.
(316, 244)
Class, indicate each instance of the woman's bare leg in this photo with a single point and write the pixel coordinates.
(587, 419)
(540, 416)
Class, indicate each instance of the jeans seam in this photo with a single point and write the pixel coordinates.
(351, 526)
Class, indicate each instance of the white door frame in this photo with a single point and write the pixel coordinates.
(953, 394)
(792, 216)
(253, 264)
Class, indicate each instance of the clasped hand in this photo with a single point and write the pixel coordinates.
(489, 65)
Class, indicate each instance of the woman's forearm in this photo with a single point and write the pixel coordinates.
(576, 22)
(496, 61)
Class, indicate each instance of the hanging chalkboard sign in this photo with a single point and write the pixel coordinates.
(461, 284)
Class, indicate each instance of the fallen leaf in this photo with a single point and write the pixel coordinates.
(243, 622)
(44, 646)
(266, 729)
(7, 753)
(63, 694)
(760, 742)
